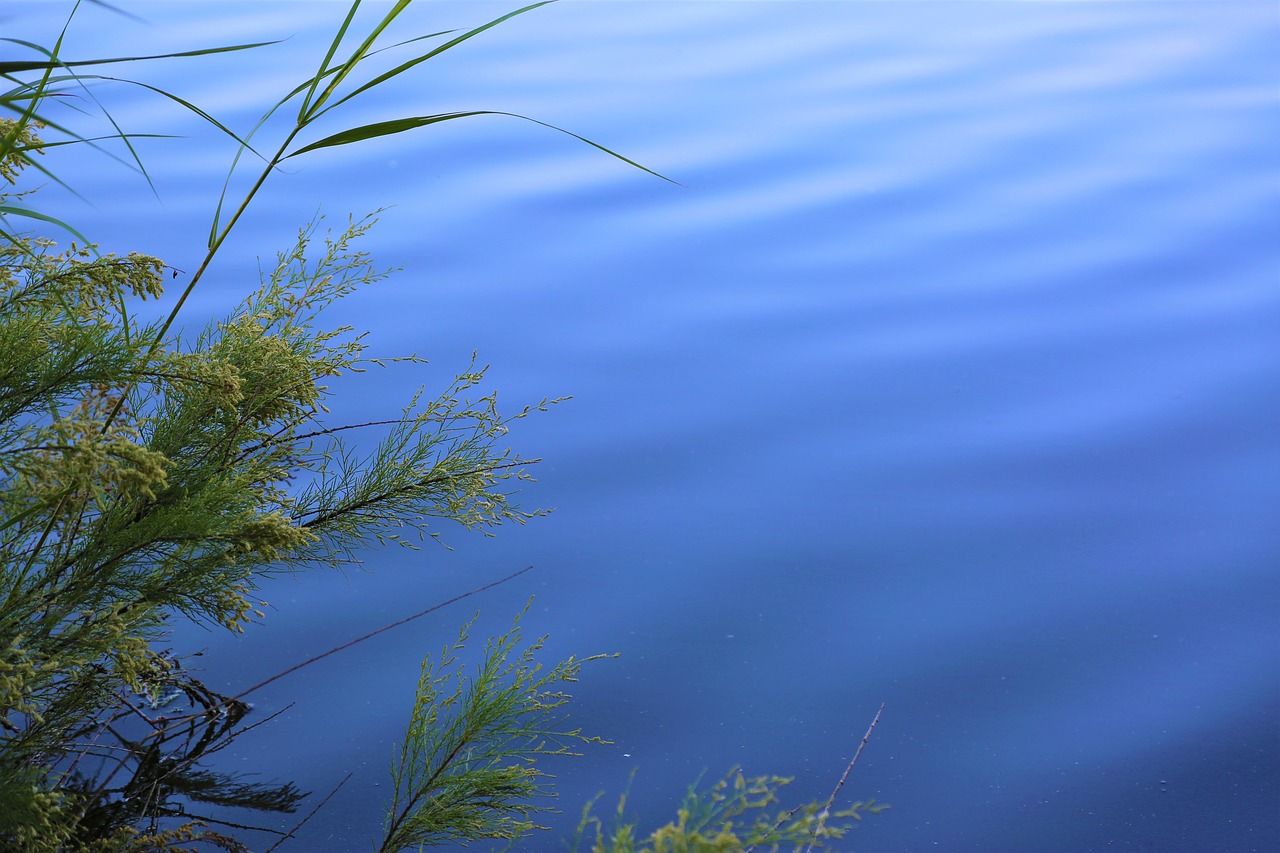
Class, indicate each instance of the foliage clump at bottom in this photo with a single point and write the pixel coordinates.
(734, 815)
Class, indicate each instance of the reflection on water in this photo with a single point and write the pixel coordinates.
(947, 380)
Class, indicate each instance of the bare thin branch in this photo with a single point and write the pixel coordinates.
(433, 608)
(826, 810)
(310, 815)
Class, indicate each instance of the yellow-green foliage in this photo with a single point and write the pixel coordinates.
(143, 476)
(467, 768)
(734, 815)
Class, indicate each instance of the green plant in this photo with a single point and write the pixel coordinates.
(468, 767)
(139, 484)
(733, 815)
(711, 820)
(147, 476)
(143, 477)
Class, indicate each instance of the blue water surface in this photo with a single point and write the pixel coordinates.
(946, 378)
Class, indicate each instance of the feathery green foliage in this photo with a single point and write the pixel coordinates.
(732, 816)
(142, 476)
(467, 769)
(140, 480)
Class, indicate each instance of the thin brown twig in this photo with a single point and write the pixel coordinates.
(826, 810)
(227, 700)
(181, 812)
(372, 634)
(782, 820)
(310, 815)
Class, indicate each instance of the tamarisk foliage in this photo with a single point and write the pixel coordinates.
(467, 768)
(144, 475)
(139, 481)
(734, 815)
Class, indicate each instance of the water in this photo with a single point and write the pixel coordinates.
(948, 379)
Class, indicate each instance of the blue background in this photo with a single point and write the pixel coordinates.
(948, 379)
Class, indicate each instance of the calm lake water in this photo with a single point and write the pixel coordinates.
(947, 379)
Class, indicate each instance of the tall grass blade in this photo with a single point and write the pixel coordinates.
(19, 66)
(324, 64)
(357, 56)
(10, 210)
(380, 128)
(400, 69)
(190, 106)
(105, 5)
(75, 139)
(91, 139)
(387, 128)
(41, 90)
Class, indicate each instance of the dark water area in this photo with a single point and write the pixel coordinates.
(948, 379)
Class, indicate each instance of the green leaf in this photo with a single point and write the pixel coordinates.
(190, 106)
(400, 69)
(10, 210)
(400, 125)
(380, 128)
(19, 66)
(324, 65)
